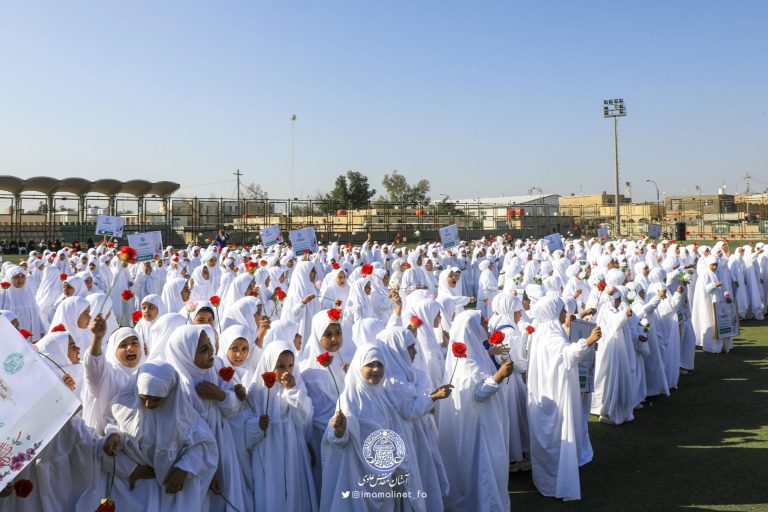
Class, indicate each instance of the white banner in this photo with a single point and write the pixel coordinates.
(110, 226)
(147, 245)
(35, 403)
(449, 236)
(271, 236)
(602, 232)
(303, 240)
(726, 320)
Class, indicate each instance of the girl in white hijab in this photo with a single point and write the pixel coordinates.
(408, 389)
(74, 314)
(554, 409)
(474, 424)
(242, 286)
(160, 334)
(72, 286)
(20, 299)
(106, 376)
(488, 287)
(300, 304)
(152, 309)
(358, 306)
(283, 330)
(167, 455)
(280, 463)
(191, 353)
(428, 311)
(202, 284)
(365, 409)
(175, 294)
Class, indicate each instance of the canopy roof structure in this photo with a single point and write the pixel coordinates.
(80, 186)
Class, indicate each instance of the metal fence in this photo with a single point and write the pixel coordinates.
(68, 218)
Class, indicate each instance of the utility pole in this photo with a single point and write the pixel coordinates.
(239, 207)
(615, 108)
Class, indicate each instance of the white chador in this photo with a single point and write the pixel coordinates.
(707, 292)
(613, 398)
(554, 405)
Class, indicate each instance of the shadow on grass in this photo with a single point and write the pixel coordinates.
(703, 448)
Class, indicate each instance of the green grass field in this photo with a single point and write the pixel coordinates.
(703, 448)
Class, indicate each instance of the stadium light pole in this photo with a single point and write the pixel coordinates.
(657, 194)
(615, 108)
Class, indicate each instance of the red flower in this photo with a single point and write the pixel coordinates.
(127, 295)
(325, 359)
(5, 285)
(59, 328)
(529, 329)
(107, 505)
(269, 379)
(25, 333)
(336, 266)
(136, 316)
(215, 301)
(63, 277)
(233, 245)
(263, 263)
(307, 251)
(367, 269)
(459, 350)
(279, 293)
(251, 267)
(406, 266)
(127, 254)
(334, 314)
(496, 338)
(22, 488)
(415, 322)
(227, 373)
(209, 239)
(601, 285)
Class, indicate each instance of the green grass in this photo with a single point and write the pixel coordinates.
(703, 448)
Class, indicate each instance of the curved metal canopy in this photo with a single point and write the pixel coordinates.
(81, 186)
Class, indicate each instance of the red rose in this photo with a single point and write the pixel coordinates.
(529, 329)
(601, 285)
(367, 269)
(58, 328)
(22, 488)
(227, 373)
(334, 314)
(107, 505)
(496, 338)
(325, 359)
(269, 379)
(251, 267)
(136, 316)
(127, 254)
(63, 277)
(279, 293)
(415, 322)
(215, 301)
(307, 251)
(25, 333)
(209, 239)
(459, 350)
(5, 285)
(406, 266)
(263, 263)
(336, 266)
(127, 295)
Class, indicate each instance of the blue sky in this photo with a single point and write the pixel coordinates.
(481, 98)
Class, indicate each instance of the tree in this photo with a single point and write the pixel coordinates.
(400, 192)
(254, 191)
(349, 191)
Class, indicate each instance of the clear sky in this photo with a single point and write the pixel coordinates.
(482, 98)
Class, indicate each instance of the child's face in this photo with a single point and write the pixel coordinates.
(517, 316)
(149, 311)
(284, 364)
(297, 341)
(84, 318)
(151, 402)
(436, 323)
(73, 352)
(341, 279)
(332, 337)
(238, 352)
(373, 372)
(128, 352)
(204, 353)
(203, 317)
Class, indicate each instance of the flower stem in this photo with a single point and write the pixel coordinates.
(334, 383)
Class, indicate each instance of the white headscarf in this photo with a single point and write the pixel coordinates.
(67, 314)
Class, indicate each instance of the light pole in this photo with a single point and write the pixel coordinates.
(615, 108)
(293, 124)
(658, 204)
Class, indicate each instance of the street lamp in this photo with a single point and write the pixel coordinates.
(290, 179)
(615, 108)
(657, 195)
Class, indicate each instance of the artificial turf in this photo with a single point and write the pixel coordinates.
(705, 447)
